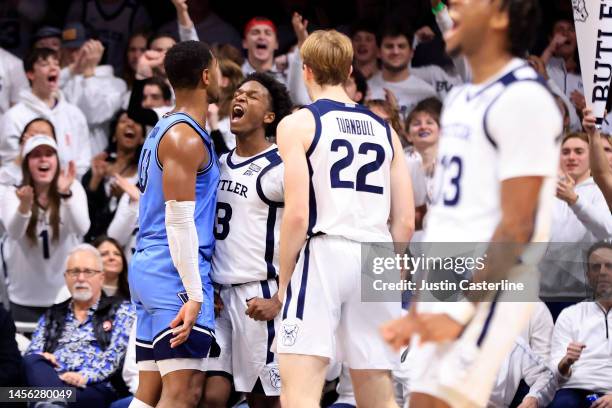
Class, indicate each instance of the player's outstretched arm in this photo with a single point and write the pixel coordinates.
(293, 135)
(402, 199)
(181, 154)
(600, 168)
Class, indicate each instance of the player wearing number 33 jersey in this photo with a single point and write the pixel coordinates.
(157, 289)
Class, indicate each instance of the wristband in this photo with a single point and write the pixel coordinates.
(438, 8)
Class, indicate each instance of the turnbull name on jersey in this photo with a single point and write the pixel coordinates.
(355, 126)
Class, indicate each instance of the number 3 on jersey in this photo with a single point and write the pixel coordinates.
(363, 171)
(224, 215)
(451, 169)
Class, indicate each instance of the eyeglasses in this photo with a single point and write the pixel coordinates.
(75, 272)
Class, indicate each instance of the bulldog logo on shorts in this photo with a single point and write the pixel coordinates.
(290, 332)
(275, 379)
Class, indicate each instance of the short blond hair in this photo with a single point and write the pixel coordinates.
(329, 54)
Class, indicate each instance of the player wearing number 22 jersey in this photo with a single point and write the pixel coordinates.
(345, 183)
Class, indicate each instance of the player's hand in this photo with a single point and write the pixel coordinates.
(438, 327)
(578, 100)
(397, 333)
(263, 309)
(147, 62)
(218, 304)
(66, 177)
(50, 357)
(425, 34)
(565, 189)
(574, 350)
(187, 316)
(25, 195)
(300, 27)
(74, 379)
(604, 401)
(529, 402)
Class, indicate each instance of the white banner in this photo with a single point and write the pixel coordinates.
(593, 19)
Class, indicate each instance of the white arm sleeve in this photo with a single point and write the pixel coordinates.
(183, 243)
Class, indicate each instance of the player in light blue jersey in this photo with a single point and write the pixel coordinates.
(170, 271)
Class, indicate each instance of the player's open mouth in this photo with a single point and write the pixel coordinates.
(237, 113)
(52, 79)
(424, 133)
(261, 46)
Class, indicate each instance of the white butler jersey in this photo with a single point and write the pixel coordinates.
(508, 127)
(249, 211)
(349, 162)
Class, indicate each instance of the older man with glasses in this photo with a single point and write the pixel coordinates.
(81, 342)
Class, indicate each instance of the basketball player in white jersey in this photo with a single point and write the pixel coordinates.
(495, 181)
(245, 262)
(345, 183)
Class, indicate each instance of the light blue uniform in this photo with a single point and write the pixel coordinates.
(155, 284)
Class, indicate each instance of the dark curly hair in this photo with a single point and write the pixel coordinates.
(524, 18)
(281, 101)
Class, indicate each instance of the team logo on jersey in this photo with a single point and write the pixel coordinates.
(275, 379)
(290, 332)
(253, 168)
(580, 11)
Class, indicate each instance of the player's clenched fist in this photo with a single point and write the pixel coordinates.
(263, 309)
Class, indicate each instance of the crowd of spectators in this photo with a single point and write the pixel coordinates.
(79, 95)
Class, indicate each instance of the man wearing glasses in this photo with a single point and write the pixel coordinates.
(82, 341)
